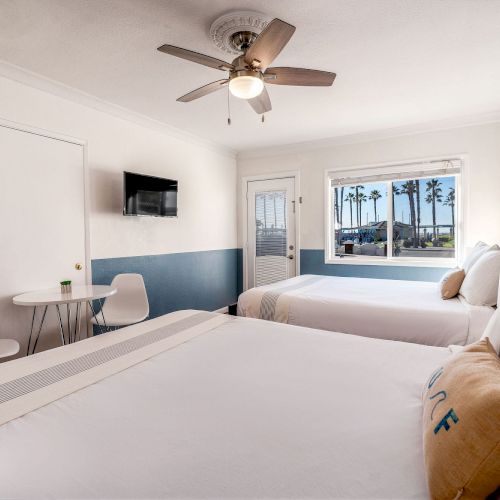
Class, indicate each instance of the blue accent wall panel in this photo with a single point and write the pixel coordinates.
(313, 262)
(192, 280)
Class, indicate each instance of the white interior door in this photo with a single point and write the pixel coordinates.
(42, 224)
(271, 244)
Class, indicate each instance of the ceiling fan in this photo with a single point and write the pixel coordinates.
(249, 72)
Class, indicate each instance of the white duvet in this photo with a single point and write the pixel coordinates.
(409, 311)
(250, 409)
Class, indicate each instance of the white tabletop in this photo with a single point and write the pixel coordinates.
(53, 296)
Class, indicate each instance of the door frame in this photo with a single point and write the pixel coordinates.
(244, 215)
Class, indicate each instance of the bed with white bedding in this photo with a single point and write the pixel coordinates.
(201, 405)
(409, 311)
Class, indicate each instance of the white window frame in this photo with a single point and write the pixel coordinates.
(423, 167)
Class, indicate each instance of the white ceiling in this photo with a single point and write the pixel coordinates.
(398, 62)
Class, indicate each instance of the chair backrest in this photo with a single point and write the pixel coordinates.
(131, 295)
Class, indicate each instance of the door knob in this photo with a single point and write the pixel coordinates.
(290, 257)
(78, 266)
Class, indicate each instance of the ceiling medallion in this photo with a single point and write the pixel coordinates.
(224, 30)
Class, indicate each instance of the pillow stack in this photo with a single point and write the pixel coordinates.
(461, 425)
(482, 273)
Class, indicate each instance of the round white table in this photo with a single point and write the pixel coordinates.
(53, 297)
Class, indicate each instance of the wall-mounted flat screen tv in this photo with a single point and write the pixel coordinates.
(147, 195)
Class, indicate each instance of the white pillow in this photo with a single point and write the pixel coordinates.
(476, 252)
(492, 331)
(480, 286)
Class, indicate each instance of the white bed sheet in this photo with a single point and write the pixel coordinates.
(409, 311)
(251, 409)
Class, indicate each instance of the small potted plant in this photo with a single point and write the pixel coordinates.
(66, 286)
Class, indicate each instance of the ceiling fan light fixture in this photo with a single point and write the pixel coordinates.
(246, 86)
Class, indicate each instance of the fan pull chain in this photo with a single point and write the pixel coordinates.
(228, 108)
(263, 118)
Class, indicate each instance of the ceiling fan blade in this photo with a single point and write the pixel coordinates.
(261, 103)
(203, 91)
(196, 57)
(269, 44)
(299, 76)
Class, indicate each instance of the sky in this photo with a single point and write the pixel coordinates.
(401, 204)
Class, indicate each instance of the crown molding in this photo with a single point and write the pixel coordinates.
(71, 94)
(373, 135)
(58, 89)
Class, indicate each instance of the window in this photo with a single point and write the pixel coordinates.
(386, 216)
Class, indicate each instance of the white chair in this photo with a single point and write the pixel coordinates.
(8, 347)
(127, 306)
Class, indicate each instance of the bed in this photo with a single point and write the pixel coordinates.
(202, 405)
(409, 311)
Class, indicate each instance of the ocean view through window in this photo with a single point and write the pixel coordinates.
(410, 216)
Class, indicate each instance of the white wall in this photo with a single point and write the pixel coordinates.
(206, 176)
(206, 200)
(481, 143)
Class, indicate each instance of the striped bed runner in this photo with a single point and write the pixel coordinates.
(269, 300)
(27, 384)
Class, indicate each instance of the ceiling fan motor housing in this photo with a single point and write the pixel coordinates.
(241, 40)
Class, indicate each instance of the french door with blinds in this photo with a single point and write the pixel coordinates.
(271, 246)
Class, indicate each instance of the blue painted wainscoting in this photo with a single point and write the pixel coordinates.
(313, 262)
(192, 280)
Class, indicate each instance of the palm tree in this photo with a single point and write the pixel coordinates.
(417, 193)
(409, 188)
(434, 194)
(341, 216)
(339, 210)
(449, 201)
(395, 192)
(375, 195)
(361, 198)
(351, 197)
(358, 206)
(336, 205)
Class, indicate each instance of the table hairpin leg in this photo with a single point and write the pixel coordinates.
(77, 321)
(102, 313)
(73, 331)
(95, 316)
(61, 328)
(68, 319)
(40, 329)
(31, 330)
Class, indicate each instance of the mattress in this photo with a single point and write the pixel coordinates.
(408, 311)
(217, 407)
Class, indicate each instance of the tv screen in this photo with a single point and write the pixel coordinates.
(147, 195)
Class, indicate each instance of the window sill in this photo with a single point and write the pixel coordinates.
(395, 262)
